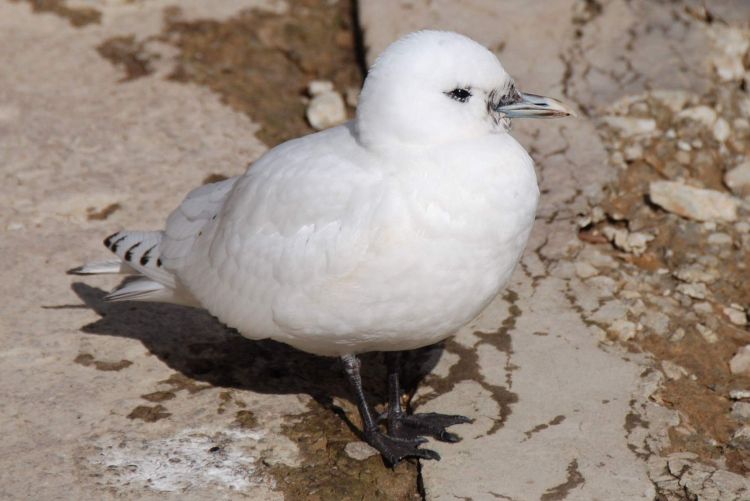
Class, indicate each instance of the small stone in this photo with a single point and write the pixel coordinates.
(738, 179)
(721, 130)
(630, 126)
(635, 242)
(684, 146)
(733, 43)
(739, 394)
(585, 270)
(736, 316)
(675, 100)
(720, 239)
(14, 226)
(657, 321)
(741, 438)
(742, 227)
(672, 370)
(633, 152)
(359, 450)
(703, 307)
(741, 411)
(319, 87)
(740, 362)
(623, 329)
(695, 290)
(677, 335)
(709, 335)
(351, 96)
(325, 110)
(693, 203)
(695, 274)
(701, 114)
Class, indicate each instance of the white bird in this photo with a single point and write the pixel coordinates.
(386, 233)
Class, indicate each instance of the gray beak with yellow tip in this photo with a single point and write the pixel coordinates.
(533, 106)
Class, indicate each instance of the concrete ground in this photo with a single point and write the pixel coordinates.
(603, 372)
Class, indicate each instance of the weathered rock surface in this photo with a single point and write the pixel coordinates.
(694, 203)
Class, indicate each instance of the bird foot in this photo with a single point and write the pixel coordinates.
(410, 426)
(395, 449)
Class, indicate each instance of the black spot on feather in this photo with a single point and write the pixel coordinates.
(108, 240)
(158, 262)
(146, 256)
(129, 252)
(113, 248)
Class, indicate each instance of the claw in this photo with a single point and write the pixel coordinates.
(395, 449)
(431, 423)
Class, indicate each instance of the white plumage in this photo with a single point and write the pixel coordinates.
(386, 233)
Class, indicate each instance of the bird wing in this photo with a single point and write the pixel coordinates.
(299, 217)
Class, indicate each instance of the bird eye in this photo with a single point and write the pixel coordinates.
(460, 95)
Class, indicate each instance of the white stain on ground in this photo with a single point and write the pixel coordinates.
(192, 458)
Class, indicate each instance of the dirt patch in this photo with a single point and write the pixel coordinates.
(327, 472)
(681, 291)
(128, 54)
(78, 16)
(261, 63)
(100, 215)
(573, 480)
(149, 414)
(88, 360)
(159, 396)
(467, 367)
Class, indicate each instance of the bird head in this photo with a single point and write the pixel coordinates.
(433, 87)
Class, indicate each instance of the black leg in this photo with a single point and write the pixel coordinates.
(393, 449)
(405, 426)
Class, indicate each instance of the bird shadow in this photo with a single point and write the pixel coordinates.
(197, 345)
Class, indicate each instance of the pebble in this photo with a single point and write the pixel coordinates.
(738, 179)
(721, 130)
(633, 152)
(359, 450)
(635, 243)
(695, 274)
(657, 321)
(741, 437)
(740, 362)
(694, 290)
(733, 43)
(631, 126)
(720, 239)
(351, 96)
(677, 335)
(708, 334)
(623, 329)
(693, 203)
(701, 114)
(675, 100)
(672, 370)
(741, 410)
(739, 394)
(585, 270)
(703, 307)
(319, 87)
(735, 315)
(326, 108)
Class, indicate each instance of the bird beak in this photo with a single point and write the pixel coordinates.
(533, 106)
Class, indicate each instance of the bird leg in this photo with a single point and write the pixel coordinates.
(402, 425)
(393, 449)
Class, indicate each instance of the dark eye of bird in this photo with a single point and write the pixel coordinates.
(460, 95)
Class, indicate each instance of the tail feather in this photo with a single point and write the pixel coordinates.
(139, 253)
(102, 268)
